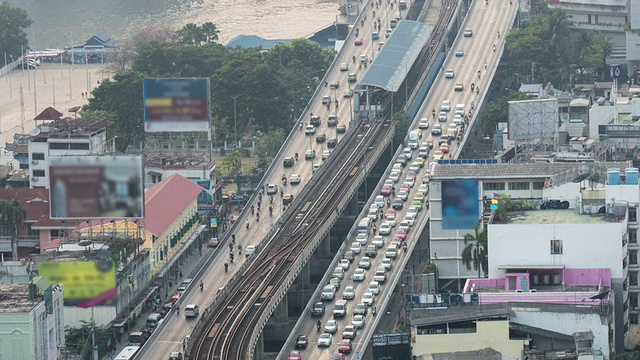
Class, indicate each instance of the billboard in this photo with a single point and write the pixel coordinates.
(176, 104)
(460, 204)
(533, 119)
(84, 283)
(94, 187)
(391, 346)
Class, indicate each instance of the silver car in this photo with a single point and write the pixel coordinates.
(358, 321)
(324, 340)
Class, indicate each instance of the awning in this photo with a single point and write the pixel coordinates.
(196, 233)
(532, 267)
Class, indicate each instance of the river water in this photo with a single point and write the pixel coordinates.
(60, 23)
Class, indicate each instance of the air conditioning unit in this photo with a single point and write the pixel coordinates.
(35, 178)
(519, 290)
(35, 162)
(533, 290)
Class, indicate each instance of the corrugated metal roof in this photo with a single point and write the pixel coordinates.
(397, 56)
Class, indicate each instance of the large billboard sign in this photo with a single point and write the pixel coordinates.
(533, 119)
(96, 187)
(84, 283)
(179, 105)
(460, 204)
(391, 346)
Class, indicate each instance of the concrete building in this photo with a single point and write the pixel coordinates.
(31, 321)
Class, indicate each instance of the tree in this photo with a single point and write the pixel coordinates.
(13, 21)
(496, 111)
(210, 32)
(476, 250)
(12, 214)
(192, 34)
(269, 145)
(402, 121)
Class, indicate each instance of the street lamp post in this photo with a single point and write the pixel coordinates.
(235, 121)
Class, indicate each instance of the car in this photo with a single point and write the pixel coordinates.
(371, 251)
(213, 242)
(332, 142)
(415, 167)
(325, 154)
(362, 239)
(402, 160)
(287, 199)
(409, 181)
(358, 42)
(423, 153)
(403, 195)
(345, 346)
(375, 35)
(331, 326)
(181, 290)
(349, 255)
(344, 66)
(395, 176)
(459, 86)
(380, 275)
(437, 155)
(309, 130)
(356, 247)
(191, 310)
(335, 282)
(378, 241)
(442, 116)
(397, 204)
(288, 162)
(379, 200)
(445, 105)
(347, 93)
(365, 262)
(457, 119)
(374, 287)
(391, 220)
(449, 74)
(344, 263)
(302, 342)
(315, 121)
(391, 252)
(408, 153)
(444, 148)
(294, 355)
(468, 32)
(341, 129)
(387, 33)
(349, 293)
(380, 45)
(359, 274)
(402, 233)
(423, 189)
(310, 154)
(386, 190)
(349, 332)
(294, 179)
(459, 53)
(250, 250)
(318, 309)
(385, 229)
(272, 189)
(321, 138)
(423, 124)
(373, 214)
(315, 167)
(338, 356)
(387, 263)
(353, 77)
(368, 298)
(324, 340)
(334, 84)
(412, 210)
(328, 292)
(338, 272)
(405, 224)
(419, 196)
(358, 321)
(360, 309)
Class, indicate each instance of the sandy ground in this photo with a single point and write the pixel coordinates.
(60, 86)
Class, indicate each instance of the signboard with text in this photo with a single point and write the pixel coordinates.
(180, 105)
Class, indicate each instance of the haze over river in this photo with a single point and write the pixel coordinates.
(60, 23)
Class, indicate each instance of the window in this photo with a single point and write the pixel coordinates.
(518, 186)
(633, 319)
(633, 278)
(538, 185)
(37, 156)
(589, 18)
(58, 146)
(38, 172)
(633, 257)
(488, 186)
(80, 146)
(556, 247)
(633, 214)
(633, 236)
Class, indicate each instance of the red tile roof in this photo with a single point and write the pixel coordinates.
(34, 201)
(165, 201)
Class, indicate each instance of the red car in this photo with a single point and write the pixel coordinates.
(390, 212)
(358, 42)
(338, 356)
(294, 355)
(386, 190)
(345, 346)
(444, 148)
(406, 188)
(402, 233)
(175, 297)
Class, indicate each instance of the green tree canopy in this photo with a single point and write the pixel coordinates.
(13, 21)
(192, 34)
(476, 250)
(12, 215)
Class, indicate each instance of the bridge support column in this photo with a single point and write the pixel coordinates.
(259, 351)
(281, 313)
(324, 248)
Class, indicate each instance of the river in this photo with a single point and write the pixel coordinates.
(60, 23)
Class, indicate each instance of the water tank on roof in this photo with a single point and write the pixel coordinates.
(613, 176)
(631, 175)
(601, 101)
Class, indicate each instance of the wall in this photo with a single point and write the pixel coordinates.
(490, 334)
(164, 240)
(593, 245)
(103, 315)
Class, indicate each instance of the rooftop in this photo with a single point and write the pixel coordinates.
(70, 127)
(15, 298)
(568, 216)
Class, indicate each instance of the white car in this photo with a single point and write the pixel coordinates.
(272, 189)
(391, 220)
(403, 195)
(344, 263)
(356, 247)
(387, 263)
(408, 153)
(295, 179)
(191, 310)
(331, 327)
(374, 287)
(405, 223)
(388, 182)
(358, 321)
(338, 272)
(410, 219)
(391, 252)
(362, 239)
(379, 200)
(373, 214)
(368, 298)
(423, 124)
(449, 74)
(423, 189)
(395, 176)
(445, 105)
(324, 340)
(344, 66)
(378, 241)
(442, 116)
(365, 262)
(409, 181)
(328, 292)
(250, 250)
(385, 229)
(380, 275)
(359, 274)
(349, 293)
(309, 130)
(325, 154)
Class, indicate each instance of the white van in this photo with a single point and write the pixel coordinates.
(340, 310)
(364, 226)
(460, 109)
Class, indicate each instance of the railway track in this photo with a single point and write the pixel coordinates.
(227, 334)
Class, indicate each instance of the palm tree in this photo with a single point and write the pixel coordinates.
(475, 250)
(12, 214)
(558, 29)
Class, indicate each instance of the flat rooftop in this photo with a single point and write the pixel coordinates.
(568, 216)
(15, 298)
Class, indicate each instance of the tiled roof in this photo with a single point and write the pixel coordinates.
(165, 201)
(35, 203)
(509, 170)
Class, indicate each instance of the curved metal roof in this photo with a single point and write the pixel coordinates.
(389, 68)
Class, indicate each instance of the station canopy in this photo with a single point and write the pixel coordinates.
(402, 48)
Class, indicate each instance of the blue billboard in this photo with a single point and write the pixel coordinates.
(180, 105)
(460, 204)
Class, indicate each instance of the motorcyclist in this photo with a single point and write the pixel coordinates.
(270, 210)
(477, 90)
(433, 113)
(494, 47)
(473, 85)
(319, 325)
(226, 267)
(480, 72)
(296, 156)
(472, 105)
(353, 58)
(201, 285)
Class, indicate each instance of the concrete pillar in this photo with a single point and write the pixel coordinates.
(324, 248)
(281, 313)
(259, 351)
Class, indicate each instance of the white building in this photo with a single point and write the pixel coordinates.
(63, 138)
(31, 321)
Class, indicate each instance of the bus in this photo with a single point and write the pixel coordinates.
(364, 225)
(128, 353)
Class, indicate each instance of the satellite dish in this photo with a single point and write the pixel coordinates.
(35, 131)
(581, 177)
(74, 109)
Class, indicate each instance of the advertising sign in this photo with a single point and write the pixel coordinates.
(89, 187)
(85, 283)
(460, 204)
(176, 105)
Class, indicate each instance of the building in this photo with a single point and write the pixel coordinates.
(31, 321)
(93, 50)
(65, 137)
